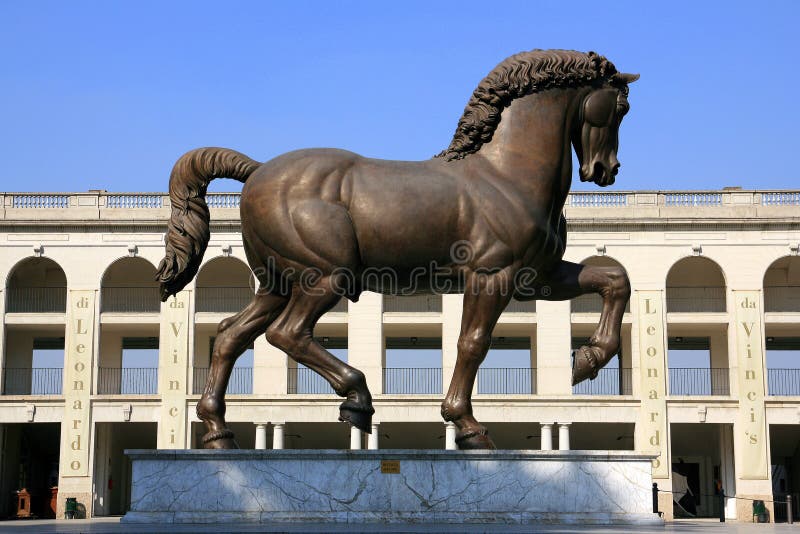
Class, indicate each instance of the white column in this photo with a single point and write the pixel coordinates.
(727, 472)
(3, 344)
(563, 436)
(547, 437)
(450, 436)
(372, 440)
(355, 438)
(277, 435)
(261, 435)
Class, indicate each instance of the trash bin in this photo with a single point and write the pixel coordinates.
(760, 512)
(71, 508)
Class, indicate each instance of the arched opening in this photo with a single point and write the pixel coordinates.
(615, 378)
(224, 285)
(37, 285)
(782, 295)
(34, 351)
(129, 285)
(593, 302)
(782, 285)
(695, 284)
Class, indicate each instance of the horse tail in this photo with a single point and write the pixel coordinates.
(188, 232)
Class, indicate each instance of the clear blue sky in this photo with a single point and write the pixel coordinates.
(109, 94)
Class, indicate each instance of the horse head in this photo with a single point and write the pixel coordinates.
(596, 135)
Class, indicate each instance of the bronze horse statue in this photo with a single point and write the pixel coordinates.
(482, 212)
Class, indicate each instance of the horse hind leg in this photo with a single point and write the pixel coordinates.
(292, 332)
(234, 335)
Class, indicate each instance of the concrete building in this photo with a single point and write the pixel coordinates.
(91, 363)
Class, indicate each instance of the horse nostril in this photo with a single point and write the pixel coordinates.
(615, 169)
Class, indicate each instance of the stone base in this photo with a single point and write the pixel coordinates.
(84, 499)
(744, 507)
(397, 486)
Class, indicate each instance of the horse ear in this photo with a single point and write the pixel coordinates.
(627, 78)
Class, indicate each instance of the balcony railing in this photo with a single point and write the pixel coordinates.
(783, 198)
(782, 299)
(36, 300)
(506, 381)
(591, 303)
(223, 299)
(130, 299)
(601, 200)
(693, 199)
(576, 200)
(412, 380)
(783, 382)
(412, 303)
(696, 299)
(32, 381)
(305, 381)
(699, 381)
(521, 306)
(134, 201)
(240, 383)
(40, 201)
(127, 381)
(609, 381)
(223, 200)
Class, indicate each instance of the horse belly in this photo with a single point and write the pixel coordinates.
(404, 227)
(546, 249)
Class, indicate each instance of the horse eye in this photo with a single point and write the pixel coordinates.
(598, 109)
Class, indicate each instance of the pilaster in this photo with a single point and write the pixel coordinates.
(553, 346)
(270, 369)
(452, 306)
(2, 340)
(365, 338)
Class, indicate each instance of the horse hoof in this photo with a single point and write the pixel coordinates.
(220, 439)
(224, 443)
(477, 440)
(357, 416)
(584, 365)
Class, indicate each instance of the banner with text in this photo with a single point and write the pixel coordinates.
(652, 425)
(79, 343)
(173, 371)
(751, 427)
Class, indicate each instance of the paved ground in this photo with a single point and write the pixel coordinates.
(112, 525)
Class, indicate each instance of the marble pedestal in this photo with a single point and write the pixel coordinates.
(390, 486)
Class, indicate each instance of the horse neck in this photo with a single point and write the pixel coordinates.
(531, 146)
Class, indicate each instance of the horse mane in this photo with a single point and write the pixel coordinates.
(517, 76)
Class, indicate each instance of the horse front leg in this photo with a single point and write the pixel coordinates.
(485, 299)
(569, 280)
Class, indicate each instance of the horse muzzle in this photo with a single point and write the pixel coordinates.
(599, 173)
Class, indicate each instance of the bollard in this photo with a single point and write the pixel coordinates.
(721, 505)
(789, 518)
(655, 498)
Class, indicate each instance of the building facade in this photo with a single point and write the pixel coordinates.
(91, 363)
